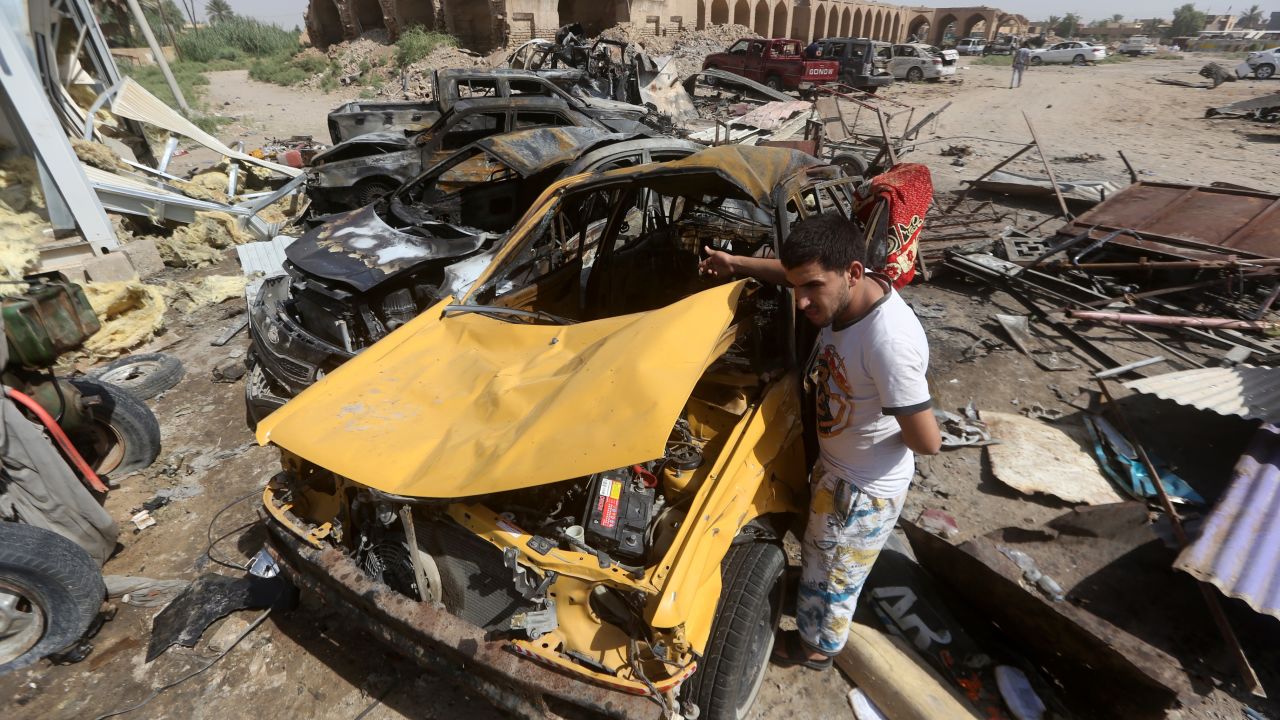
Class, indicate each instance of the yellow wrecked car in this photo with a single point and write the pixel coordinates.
(574, 479)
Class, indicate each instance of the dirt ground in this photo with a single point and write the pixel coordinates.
(309, 664)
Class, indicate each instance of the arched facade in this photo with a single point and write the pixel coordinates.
(780, 28)
(719, 12)
(800, 23)
(760, 21)
(976, 23)
(483, 25)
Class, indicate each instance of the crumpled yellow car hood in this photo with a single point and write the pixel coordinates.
(466, 404)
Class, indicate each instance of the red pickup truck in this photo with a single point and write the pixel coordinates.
(778, 63)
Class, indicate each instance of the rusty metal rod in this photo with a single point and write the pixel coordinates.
(1044, 160)
(1172, 321)
(1266, 272)
(1247, 673)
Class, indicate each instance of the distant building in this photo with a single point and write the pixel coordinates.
(487, 24)
(1220, 23)
(1275, 21)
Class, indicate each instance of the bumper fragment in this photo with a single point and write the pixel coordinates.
(434, 638)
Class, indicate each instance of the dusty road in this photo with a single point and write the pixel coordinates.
(310, 664)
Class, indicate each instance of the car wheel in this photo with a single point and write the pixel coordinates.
(915, 74)
(1264, 72)
(367, 192)
(852, 165)
(1036, 60)
(50, 590)
(774, 82)
(737, 657)
(121, 434)
(1077, 60)
(146, 376)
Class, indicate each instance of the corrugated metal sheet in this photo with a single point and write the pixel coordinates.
(1238, 549)
(266, 257)
(134, 102)
(1248, 392)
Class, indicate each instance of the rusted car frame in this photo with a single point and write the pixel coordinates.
(496, 513)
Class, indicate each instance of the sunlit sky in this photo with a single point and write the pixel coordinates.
(288, 13)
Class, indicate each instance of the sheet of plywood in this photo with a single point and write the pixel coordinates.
(1036, 457)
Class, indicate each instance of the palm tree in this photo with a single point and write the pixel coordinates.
(218, 10)
(1252, 18)
(1051, 25)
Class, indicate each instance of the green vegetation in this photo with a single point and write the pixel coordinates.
(236, 38)
(218, 11)
(1187, 21)
(417, 43)
(1005, 60)
(287, 70)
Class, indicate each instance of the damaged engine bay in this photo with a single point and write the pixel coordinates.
(594, 572)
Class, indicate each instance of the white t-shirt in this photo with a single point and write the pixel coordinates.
(864, 374)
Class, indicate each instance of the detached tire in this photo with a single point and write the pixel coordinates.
(122, 434)
(737, 657)
(50, 590)
(146, 376)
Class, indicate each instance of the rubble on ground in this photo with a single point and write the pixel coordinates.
(687, 48)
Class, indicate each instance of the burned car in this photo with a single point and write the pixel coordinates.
(365, 272)
(587, 459)
(357, 172)
(362, 117)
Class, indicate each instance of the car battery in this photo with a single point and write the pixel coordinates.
(618, 513)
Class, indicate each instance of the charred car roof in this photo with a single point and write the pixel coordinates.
(531, 151)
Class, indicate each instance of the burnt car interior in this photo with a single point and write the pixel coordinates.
(607, 250)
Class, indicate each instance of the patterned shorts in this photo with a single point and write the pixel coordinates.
(846, 530)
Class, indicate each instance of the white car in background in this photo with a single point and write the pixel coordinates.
(917, 61)
(1264, 62)
(1072, 53)
(970, 46)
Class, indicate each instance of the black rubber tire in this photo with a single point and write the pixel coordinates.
(915, 74)
(118, 417)
(145, 376)
(367, 192)
(853, 165)
(1037, 61)
(1079, 60)
(733, 667)
(55, 575)
(774, 82)
(1264, 71)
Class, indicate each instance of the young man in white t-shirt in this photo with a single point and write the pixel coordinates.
(873, 413)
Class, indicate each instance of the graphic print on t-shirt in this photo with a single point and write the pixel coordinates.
(835, 394)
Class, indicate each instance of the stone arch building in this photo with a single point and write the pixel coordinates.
(486, 24)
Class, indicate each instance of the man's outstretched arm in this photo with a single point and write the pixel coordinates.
(722, 264)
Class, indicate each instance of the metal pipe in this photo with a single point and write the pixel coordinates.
(160, 60)
(1172, 321)
(1044, 160)
(170, 146)
(1104, 374)
(1159, 264)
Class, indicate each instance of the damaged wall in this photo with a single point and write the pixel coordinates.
(483, 25)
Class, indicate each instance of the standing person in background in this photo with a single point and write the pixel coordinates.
(1020, 60)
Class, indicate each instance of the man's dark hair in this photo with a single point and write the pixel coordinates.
(829, 239)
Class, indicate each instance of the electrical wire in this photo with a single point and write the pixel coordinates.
(208, 550)
(156, 692)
